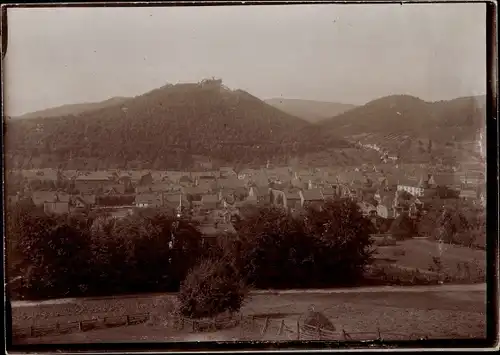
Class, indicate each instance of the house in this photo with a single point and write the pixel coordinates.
(186, 181)
(227, 171)
(209, 202)
(260, 179)
(149, 200)
(413, 187)
(91, 182)
(231, 182)
(232, 195)
(126, 181)
(311, 198)
(115, 189)
(146, 179)
(330, 193)
(208, 183)
(293, 200)
(367, 209)
(260, 195)
(82, 201)
(193, 191)
(40, 197)
(56, 207)
(468, 194)
(158, 187)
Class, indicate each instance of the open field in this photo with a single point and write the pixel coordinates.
(446, 314)
(419, 253)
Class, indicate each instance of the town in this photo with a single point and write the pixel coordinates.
(214, 196)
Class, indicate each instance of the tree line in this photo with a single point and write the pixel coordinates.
(84, 255)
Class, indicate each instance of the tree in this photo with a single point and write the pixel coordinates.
(344, 241)
(54, 253)
(317, 248)
(211, 288)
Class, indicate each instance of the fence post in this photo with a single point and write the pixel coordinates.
(264, 327)
(319, 332)
(378, 331)
(193, 327)
(182, 322)
(32, 331)
(80, 326)
(128, 320)
(298, 331)
(282, 326)
(253, 322)
(57, 327)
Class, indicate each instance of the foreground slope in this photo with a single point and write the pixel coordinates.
(169, 127)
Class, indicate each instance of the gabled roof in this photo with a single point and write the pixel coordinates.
(40, 197)
(95, 176)
(210, 199)
(185, 178)
(194, 190)
(292, 194)
(230, 183)
(85, 199)
(150, 198)
(312, 195)
(260, 191)
(116, 187)
(469, 193)
(329, 192)
(208, 230)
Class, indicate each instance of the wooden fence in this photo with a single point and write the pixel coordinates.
(308, 333)
(256, 325)
(79, 326)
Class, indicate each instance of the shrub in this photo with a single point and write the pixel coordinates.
(211, 288)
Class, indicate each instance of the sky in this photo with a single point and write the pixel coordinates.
(333, 52)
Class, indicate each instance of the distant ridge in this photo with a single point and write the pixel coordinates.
(411, 127)
(169, 126)
(72, 109)
(310, 110)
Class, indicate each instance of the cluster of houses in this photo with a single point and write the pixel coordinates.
(216, 196)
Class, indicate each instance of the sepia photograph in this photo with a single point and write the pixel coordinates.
(250, 173)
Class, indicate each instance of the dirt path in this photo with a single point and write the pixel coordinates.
(437, 288)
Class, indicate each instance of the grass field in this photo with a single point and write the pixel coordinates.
(435, 314)
(419, 253)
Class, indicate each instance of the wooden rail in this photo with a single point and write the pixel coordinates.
(82, 326)
(258, 324)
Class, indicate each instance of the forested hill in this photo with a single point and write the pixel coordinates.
(73, 109)
(416, 130)
(167, 128)
(456, 119)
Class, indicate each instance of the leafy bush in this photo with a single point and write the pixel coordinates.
(211, 288)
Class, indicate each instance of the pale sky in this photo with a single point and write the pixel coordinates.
(341, 53)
